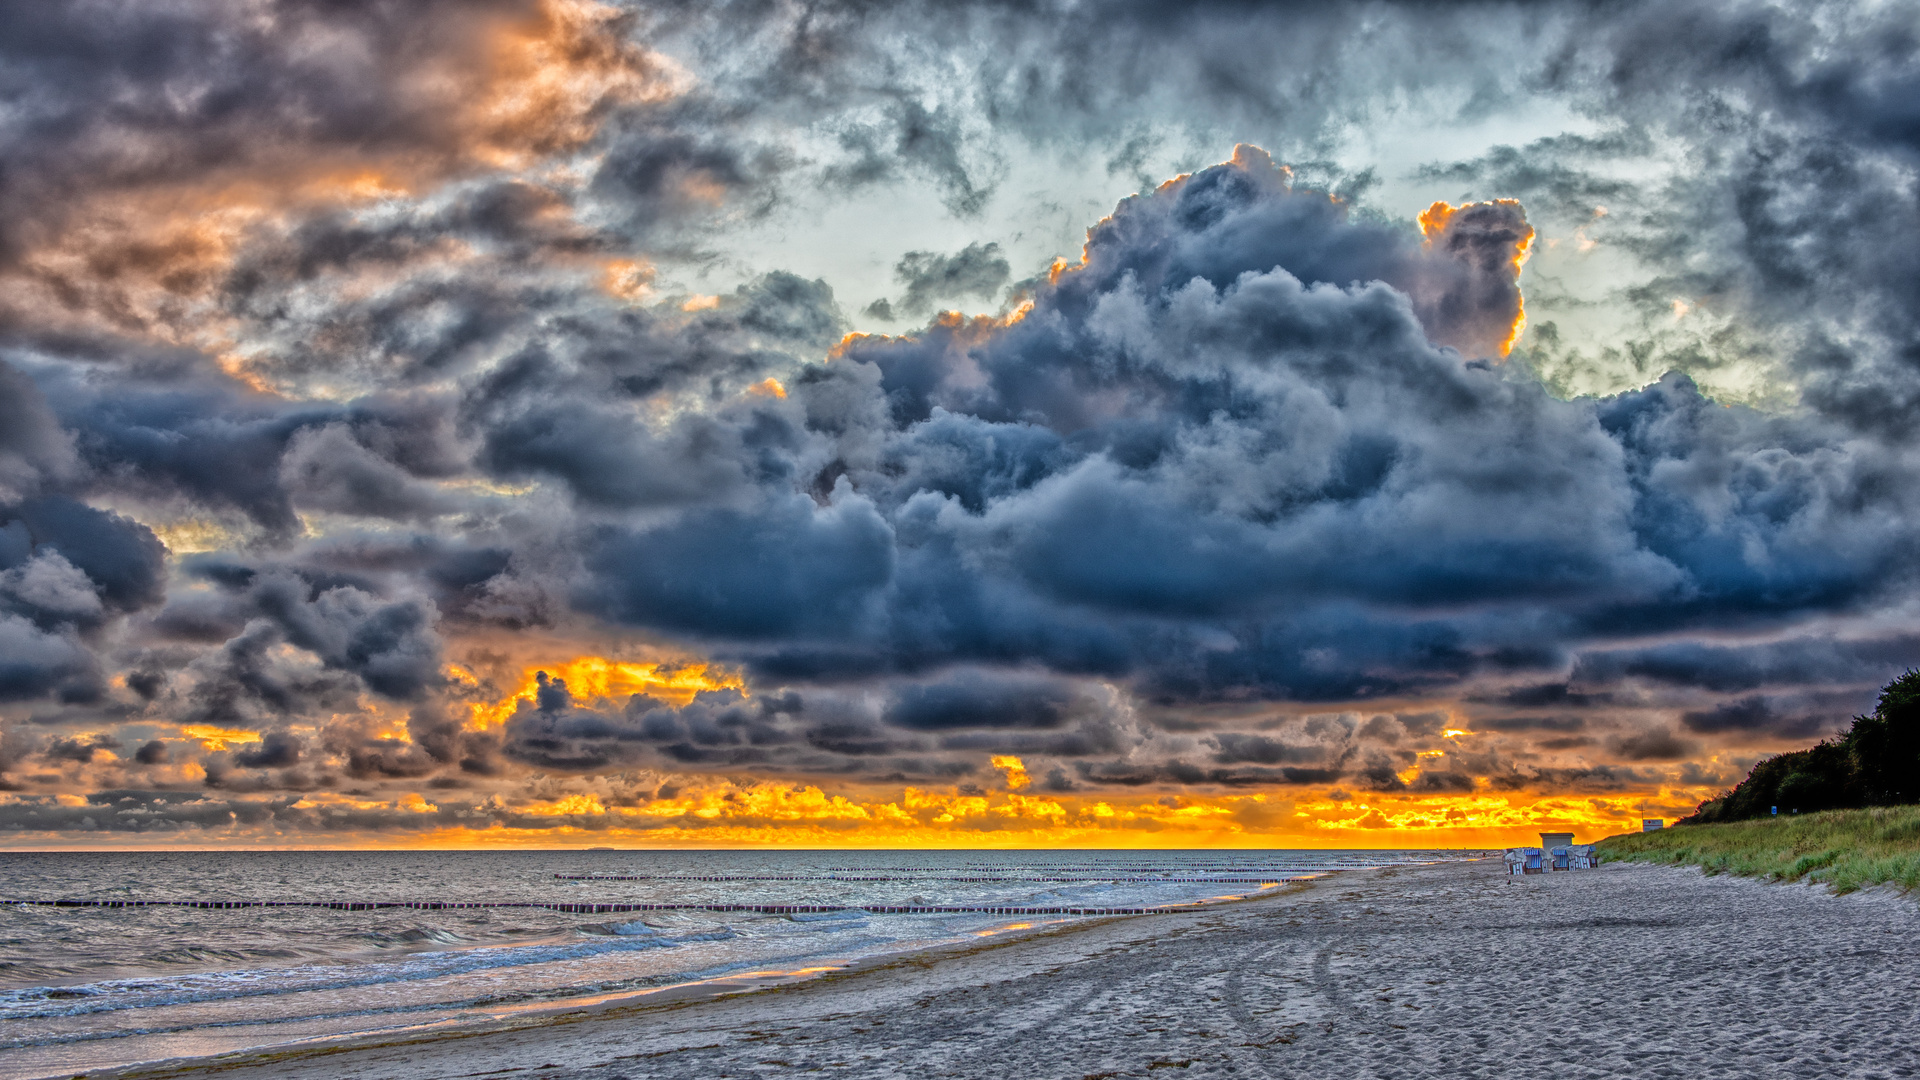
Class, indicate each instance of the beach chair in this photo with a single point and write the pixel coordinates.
(1532, 864)
(1562, 858)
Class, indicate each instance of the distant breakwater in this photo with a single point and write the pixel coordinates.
(615, 909)
(1270, 880)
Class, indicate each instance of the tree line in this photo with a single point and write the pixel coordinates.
(1876, 763)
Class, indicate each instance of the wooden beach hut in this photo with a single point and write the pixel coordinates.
(1557, 851)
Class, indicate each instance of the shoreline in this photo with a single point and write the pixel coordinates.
(670, 997)
(1444, 969)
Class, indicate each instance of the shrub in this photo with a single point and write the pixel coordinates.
(1876, 763)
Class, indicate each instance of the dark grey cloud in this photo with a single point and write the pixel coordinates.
(981, 700)
(35, 663)
(1539, 695)
(1557, 173)
(1794, 218)
(326, 468)
(122, 559)
(193, 435)
(719, 728)
(390, 644)
(566, 408)
(1657, 744)
(34, 449)
(1797, 661)
(916, 732)
(67, 569)
(276, 751)
(1532, 723)
(80, 749)
(1262, 750)
(792, 570)
(1177, 772)
(1784, 717)
(977, 271)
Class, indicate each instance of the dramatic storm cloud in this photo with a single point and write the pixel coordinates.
(522, 421)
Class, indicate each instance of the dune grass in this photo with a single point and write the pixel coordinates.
(1846, 849)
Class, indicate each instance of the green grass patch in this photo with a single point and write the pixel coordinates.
(1846, 849)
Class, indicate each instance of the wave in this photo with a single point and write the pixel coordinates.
(444, 1011)
(124, 994)
(414, 936)
(636, 928)
(854, 916)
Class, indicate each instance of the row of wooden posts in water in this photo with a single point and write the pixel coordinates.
(611, 909)
(819, 877)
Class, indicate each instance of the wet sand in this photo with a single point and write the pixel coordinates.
(1453, 970)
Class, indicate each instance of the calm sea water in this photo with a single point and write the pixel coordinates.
(84, 988)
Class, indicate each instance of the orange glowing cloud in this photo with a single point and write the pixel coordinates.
(712, 811)
(1433, 220)
(556, 75)
(1492, 240)
(748, 813)
(596, 677)
(217, 738)
(958, 331)
(1015, 769)
(1520, 256)
(628, 279)
(853, 341)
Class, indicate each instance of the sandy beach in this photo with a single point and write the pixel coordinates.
(1449, 970)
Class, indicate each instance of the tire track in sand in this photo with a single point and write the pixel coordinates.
(1371, 1034)
(1236, 994)
(997, 1046)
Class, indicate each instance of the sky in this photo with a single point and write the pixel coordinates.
(522, 423)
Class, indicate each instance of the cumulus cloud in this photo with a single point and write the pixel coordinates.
(38, 663)
(1211, 455)
(49, 588)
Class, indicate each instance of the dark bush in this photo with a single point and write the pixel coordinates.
(1886, 745)
(1876, 763)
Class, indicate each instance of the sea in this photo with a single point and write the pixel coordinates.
(110, 984)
